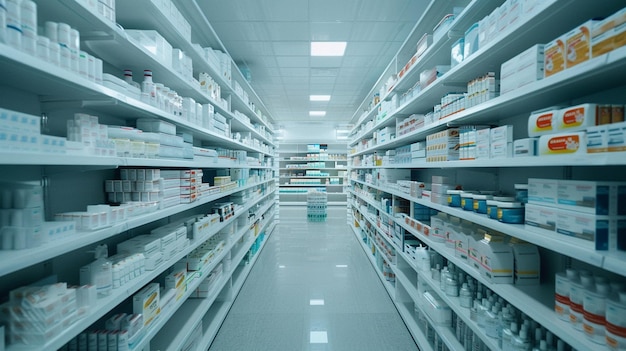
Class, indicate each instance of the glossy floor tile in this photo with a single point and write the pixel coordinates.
(313, 288)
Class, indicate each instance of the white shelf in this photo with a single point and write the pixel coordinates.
(407, 316)
(193, 310)
(536, 301)
(564, 86)
(55, 83)
(599, 159)
(576, 248)
(181, 307)
(11, 261)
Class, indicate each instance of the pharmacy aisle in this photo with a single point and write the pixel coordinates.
(313, 289)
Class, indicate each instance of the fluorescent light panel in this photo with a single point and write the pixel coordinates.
(328, 48)
(316, 302)
(317, 113)
(318, 337)
(319, 97)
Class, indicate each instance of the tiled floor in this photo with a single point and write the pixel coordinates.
(313, 288)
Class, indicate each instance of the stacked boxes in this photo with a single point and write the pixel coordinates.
(590, 210)
(439, 190)
(501, 142)
(189, 182)
(35, 315)
(443, 146)
(523, 69)
(468, 142)
(608, 34)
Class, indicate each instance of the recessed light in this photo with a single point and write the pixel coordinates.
(328, 48)
(318, 337)
(341, 266)
(319, 97)
(316, 302)
(317, 113)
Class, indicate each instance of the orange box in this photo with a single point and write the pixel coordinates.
(554, 59)
(578, 44)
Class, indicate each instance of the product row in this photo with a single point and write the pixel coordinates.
(497, 319)
(86, 136)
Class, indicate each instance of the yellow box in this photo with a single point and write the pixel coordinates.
(554, 60)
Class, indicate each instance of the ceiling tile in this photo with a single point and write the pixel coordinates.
(333, 10)
(291, 48)
(293, 61)
(292, 31)
(331, 31)
(294, 72)
(325, 62)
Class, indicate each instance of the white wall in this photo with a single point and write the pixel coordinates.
(308, 131)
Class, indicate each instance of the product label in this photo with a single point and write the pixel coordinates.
(564, 144)
(578, 47)
(574, 117)
(554, 58)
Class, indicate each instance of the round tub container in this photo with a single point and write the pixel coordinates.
(467, 201)
(492, 209)
(480, 203)
(454, 198)
(511, 212)
(521, 193)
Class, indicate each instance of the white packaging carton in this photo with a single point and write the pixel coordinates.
(592, 197)
(496, 259)
(602, 231)
(539, 216)
(542, 191)
(147, 303)
(527, 262)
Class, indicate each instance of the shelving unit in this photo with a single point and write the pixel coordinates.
(302, 169)
(573, 86)
(72, 181)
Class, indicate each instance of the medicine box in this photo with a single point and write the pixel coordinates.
(554, 57)
(525, 147)
(616, 137)
(539, 216)
(599, 198)
(563, 144)
(527, 263)
(542, 121)
(542, 191)
(603, 231)
(154, 43)
(470, 42)
(502, 133)
(597, 139)
(496, 259)
(576, 118)
(147, 303)
(578, 44)
(156, 126)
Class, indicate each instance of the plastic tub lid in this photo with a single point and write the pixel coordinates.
(504, 198)
(521, 186)
(454, 192)
(482, 197)
(502, 204)
(492, 203)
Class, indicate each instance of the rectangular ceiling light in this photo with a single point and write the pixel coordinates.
(328, 48)
(318, 337)
(319, 97)
(317, 113)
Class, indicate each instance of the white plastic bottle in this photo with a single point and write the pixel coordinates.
(577, 290)
(3, 20)
(483, 308)
(562, 291)
(423, 258)
(465, 296)
(506, 318)
(507, 336)
(148, 89)
(98, 273)
(543, 346)
(13, 34)
(492, 324)
(128, 78)
(28, 16)
(616, 322)
(594, 307)
(521, 342)
(51, 31)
